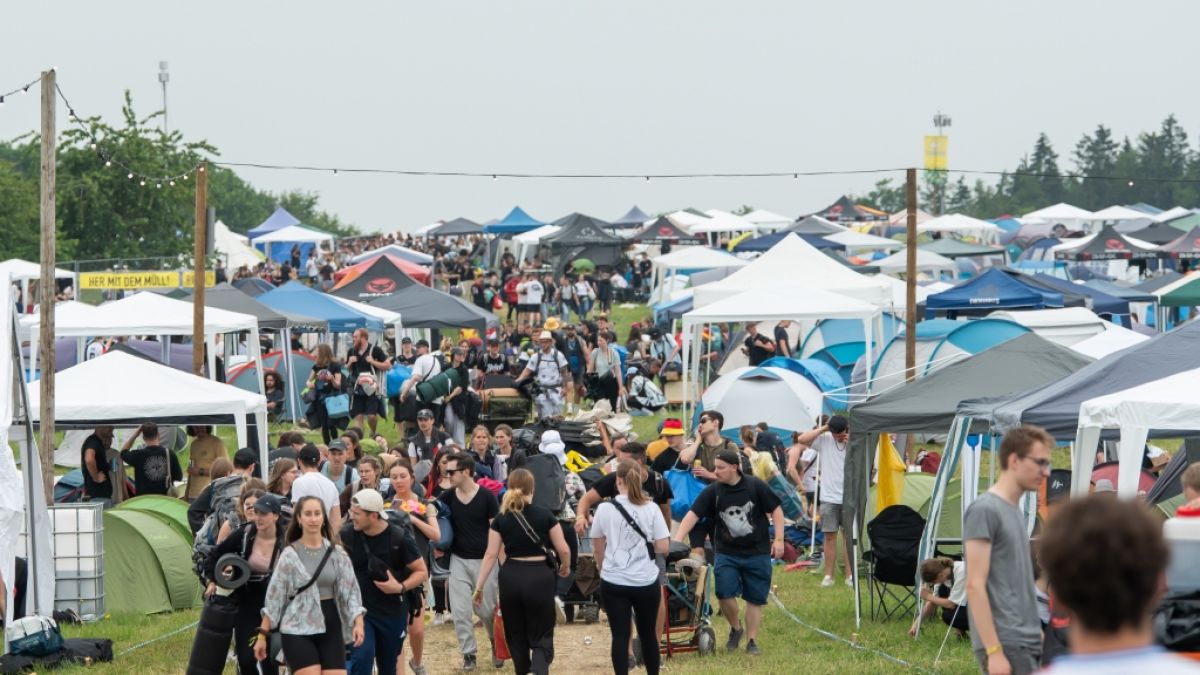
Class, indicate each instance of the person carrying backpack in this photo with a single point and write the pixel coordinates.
(217, 504)
(550, 370)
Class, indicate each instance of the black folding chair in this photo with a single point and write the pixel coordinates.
(895, 537)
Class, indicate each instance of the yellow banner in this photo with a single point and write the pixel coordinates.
(935, 152)
(128, 280)
(210, 279)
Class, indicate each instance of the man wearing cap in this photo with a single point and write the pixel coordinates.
(389, 568)
(407, 356)
(310, 482)
(365, 362)
(739, 507)
(494, 362)
(336, 469)
(551, 372)
(664, 452)
(428, 440)
(830, 441)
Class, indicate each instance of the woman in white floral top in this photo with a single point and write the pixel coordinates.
(316, 624)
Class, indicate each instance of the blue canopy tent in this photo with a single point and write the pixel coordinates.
(297, 298)
(1102, 303)
(840, 342)
(765, 242)
(993, 289)
(635, 217)
(516, 222)
(277, 220)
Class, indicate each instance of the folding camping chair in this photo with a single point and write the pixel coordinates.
(895, 537)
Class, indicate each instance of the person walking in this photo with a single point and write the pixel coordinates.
(551, 371)
(324, 381)
(605, 365)
(534, 549)
(422, 513)
(700, 456)
(313, 597)
(258, 542)
(389, 568)
(1005, 630)
(744, 510)
(205, 450)
(830, 441)
(627, 532)
(471, 512)
(311, 483)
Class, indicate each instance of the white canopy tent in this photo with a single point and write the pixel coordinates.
(768, 220)
(899, 305)
(1064, 326)
(1073, 217)
(927, 261)
(292, 234)
(527, 240)
(1113, 339)
(957, 223)
(136, 390)
(1167, 404)
(22, 272)
(426, 229)
(397, 250)
(794, 263)
(687, 219)
(1072, 244)
(666, 267)
(1117, 213)
(234, 247)
(723, 221)
(851, 240)
(772, 304)
(1171, 214)
(148, 313)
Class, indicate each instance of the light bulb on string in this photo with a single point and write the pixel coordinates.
(493, 178)
(795, 176)
(142, 183)
(107, 163)
(335, 172)
(158, 185)
(647, 179)
(25, 89)
(130, 176)
(1130, 183)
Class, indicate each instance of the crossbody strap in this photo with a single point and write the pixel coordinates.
(632, 523)
(315, 576)
(529, 531)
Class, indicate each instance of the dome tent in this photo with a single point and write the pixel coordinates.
(939, 341)
(147, 564)
(840, 342)
(785, 400)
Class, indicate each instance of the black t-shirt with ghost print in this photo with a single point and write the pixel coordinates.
(741, 513)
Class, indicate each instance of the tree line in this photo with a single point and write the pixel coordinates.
(1110, 172)
(102, 213)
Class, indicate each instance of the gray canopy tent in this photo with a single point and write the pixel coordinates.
(927, 406)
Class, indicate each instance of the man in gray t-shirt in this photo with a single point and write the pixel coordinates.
(1005, 631)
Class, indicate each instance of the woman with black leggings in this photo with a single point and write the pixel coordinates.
(526, 581)
(627, 532)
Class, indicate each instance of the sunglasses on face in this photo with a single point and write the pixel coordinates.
(451, 472)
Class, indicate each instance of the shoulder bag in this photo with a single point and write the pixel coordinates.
(551, 556)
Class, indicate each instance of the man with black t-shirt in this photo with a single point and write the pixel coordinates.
(407, 356)
(493, 362)
(155, 469)
(783, 346)
(96, 467)
(471, 511)
(428, 440)
(757, 346)
(388, 566)
(366, 398)
(739, 506)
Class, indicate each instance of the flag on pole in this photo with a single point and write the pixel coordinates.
(891, 475)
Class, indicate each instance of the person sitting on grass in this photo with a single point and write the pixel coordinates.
(948, 579)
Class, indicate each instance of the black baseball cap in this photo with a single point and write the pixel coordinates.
(422, 343)
(425, 414)
(838, 424)
(269, 503)
(244, 458)
(405, 340)
(309, 454)
(337, 445)
(730, 457)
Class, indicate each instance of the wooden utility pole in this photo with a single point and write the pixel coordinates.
(198, 342)
(910, 291)
(46, 287)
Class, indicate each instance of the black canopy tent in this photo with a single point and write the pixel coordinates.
(635, 217)
(583, 236)
(1107, 244)
(420, 306)
(456, 228)
(664, 230)
(1157, 233)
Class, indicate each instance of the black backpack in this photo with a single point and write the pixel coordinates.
(549, 481)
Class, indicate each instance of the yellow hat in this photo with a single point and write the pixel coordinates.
(552, 323)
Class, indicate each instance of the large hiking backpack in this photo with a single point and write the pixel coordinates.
(549, 482)
(223, 507)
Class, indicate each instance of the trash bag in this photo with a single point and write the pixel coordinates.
(685, 487)
(1177, 622)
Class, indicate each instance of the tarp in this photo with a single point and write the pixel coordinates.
(515, 222)
(1184, 246)
(1107, 244)
(794, 264)
(1056, 405)
(665, 229)
(279, 219)
(816, 225)
(634, 217)
(767, 241)
(253, 286)
(1112, 340)
(298, 298)
(377, 276)
(956, 248)
(993, 289)
(147, 564)
(1165, 279)
(456, 228)
(1065, 326)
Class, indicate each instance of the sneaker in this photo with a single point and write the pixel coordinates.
(439, 618)
(417, 669)
(850, 582)
(752, 648)
(827, 582)
(468, 663)
(735, 639)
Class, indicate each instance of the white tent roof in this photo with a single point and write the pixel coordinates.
(900, 291)
(901, 217)
(146, 313)
(777, 396)
(927, 261)
(68, 311)
(23, 270)
(425, 229)
(1071, 244)
(1066, 326)
(1114, 339)
(697, 258)
(535, 235)
(687, 219)
(765, 217)
(777, 304)
(859, 240)
(1060, 211)
(234, 247)
(1117, 212)
(293, 233)
(794, 263)
(960, 224)
(723, 221)
(397, 250)
(1171, 213)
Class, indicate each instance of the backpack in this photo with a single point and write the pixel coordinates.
(223, 507)
(549, 482)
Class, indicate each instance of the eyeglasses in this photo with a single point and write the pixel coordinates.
(451, 472)
(1041, 463)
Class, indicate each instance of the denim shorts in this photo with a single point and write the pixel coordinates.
(746, 577)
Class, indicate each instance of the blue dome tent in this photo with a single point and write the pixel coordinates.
(938, 342)
(276, 221)
(840, 342)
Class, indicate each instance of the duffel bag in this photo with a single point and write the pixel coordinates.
(34, 636)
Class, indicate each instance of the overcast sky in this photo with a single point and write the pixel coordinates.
(569, 86)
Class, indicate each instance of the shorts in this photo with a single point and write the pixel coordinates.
(529, 308)
(746, 577)
(1022, 660)
(326, 649)
(831, 517)
(362, 404)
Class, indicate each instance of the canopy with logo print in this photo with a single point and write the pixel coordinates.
(1185, 247)
(1107, 244)
(665, 229)
(376, 277)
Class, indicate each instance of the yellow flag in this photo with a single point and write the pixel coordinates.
(936, 148)
(891, 475)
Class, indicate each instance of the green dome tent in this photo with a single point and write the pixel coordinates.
(172, 511)
(147, 563)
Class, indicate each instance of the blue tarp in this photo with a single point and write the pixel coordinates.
(253, 286)
(278, 220)
(992, 290)
(1102, 303)
(767, 241)
(297, 298)
(516, 222)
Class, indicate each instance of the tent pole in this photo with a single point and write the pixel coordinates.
(290, 373)
(684, 376)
